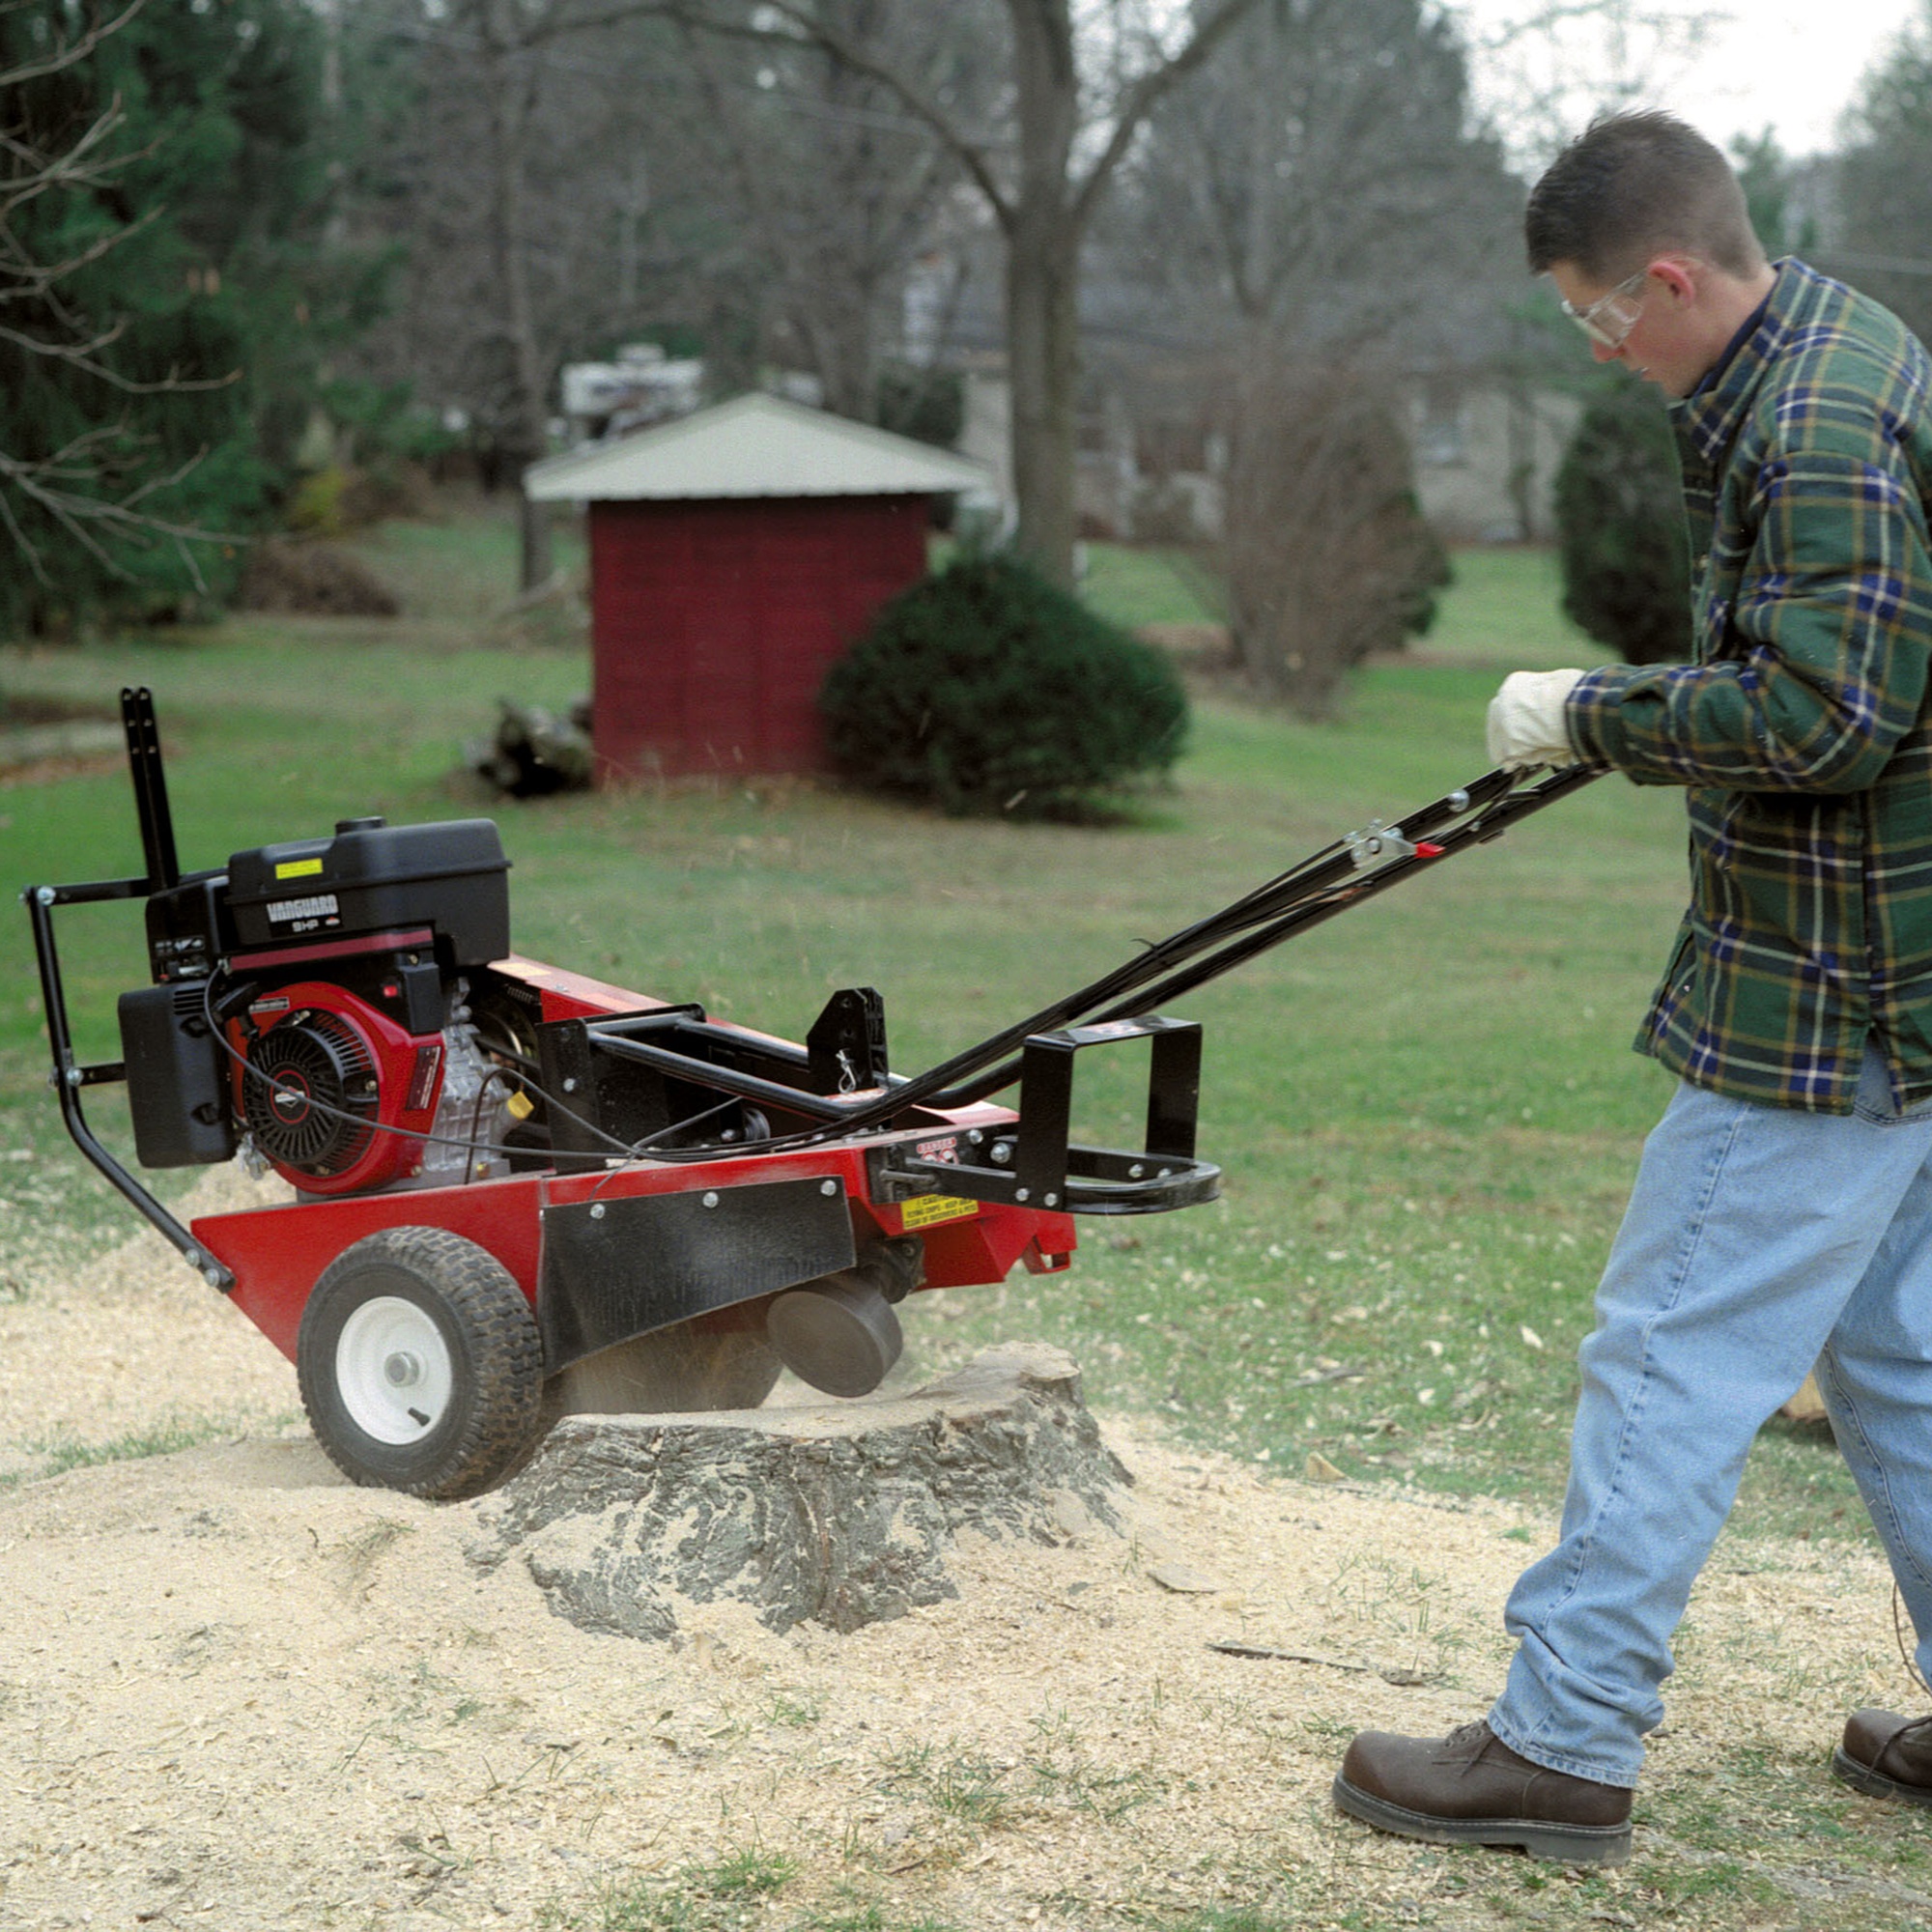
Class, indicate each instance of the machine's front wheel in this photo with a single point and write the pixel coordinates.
(420, 1364)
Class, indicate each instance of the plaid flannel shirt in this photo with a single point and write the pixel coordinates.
(1804, 728)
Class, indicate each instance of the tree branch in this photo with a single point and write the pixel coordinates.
(38, 174)
(1146, 92)
(66, 57)
(973, 155)
(32, 281)
(557, 24)
(92, 487)
(1508, 32)
(40, 483)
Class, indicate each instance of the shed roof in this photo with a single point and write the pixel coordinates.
(756, 445)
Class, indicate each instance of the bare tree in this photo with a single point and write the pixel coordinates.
(509, 35)
(1326, 229)
(1081, 85)
(547, 192)
(840, 185)
(1325, 183)
(1556, 64)
(1327, 557)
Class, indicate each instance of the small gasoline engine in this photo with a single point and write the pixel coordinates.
(335, 1042)
(521, 1192)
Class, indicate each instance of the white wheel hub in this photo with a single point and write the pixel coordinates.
(393, 1370)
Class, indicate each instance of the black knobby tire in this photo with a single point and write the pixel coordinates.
(420, 1364)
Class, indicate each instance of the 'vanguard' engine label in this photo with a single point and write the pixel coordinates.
(307, 914)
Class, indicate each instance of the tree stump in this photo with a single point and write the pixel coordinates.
(842, 1514)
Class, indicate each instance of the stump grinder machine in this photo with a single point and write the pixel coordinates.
(521, 1192)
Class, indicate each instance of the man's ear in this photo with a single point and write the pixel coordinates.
(1681, 274)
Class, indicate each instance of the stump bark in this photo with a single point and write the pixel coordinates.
(842, 1514)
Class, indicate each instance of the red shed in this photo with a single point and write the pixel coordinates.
(734, 554)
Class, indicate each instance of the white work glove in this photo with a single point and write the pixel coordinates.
(1526, 720)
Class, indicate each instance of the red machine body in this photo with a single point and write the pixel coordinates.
(519, 1191)
(276, 1254)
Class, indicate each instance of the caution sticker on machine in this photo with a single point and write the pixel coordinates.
(924, 1210)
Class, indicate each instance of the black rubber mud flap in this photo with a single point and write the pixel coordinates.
(615, 1268)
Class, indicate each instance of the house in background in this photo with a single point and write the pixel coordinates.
(1153, 448)
(642, 386)
(1487, 426)
(1486, 452)
(735, 554)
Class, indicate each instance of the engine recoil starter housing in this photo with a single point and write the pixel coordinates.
(321, 1075)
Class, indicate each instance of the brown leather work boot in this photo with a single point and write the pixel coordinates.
(1887, 1756)
(1469, 1788)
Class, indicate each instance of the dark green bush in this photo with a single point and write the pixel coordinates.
(1620, 529)
(986, 689)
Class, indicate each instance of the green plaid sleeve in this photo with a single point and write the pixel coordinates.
(1813, 632)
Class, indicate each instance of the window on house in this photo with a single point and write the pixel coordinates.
(1441, 428)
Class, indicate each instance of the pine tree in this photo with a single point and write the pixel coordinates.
(166, 295)
(1880, 231)
(1621, 537)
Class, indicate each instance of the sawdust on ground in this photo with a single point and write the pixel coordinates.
(236, 1691)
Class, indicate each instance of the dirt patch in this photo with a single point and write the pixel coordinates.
(1194, 646)
(236, 1691)
(24, 711)
(42, 739)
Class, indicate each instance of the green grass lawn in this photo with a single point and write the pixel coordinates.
(1147, 587)
(1427, 1111)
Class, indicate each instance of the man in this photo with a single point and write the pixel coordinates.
(1782, 1211)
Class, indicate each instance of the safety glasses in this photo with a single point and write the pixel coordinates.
(1609, 318)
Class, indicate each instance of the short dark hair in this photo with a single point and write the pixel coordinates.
(1632, 186)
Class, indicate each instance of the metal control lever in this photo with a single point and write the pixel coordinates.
(1377, 840)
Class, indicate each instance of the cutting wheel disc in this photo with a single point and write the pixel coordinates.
(715, 1361)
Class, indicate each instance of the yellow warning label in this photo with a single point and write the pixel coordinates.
(298, 868)
(923, 1209)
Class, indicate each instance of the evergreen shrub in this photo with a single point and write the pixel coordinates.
(986, 689)
(1620, 531)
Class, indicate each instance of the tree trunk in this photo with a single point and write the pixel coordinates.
(1043, 236)
(512, 83)
(536, 562)
(1043, 363)
(842, 1514)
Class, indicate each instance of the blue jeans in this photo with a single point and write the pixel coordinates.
(1759, 1241)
